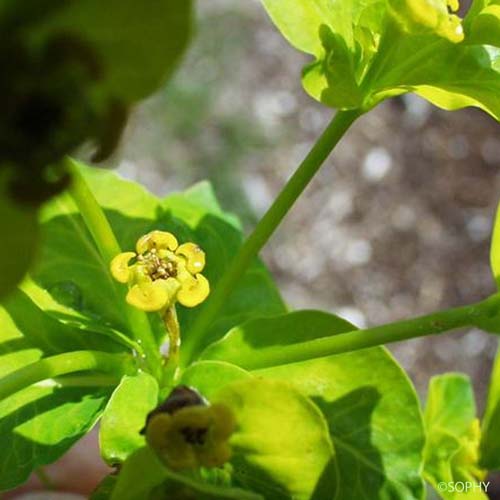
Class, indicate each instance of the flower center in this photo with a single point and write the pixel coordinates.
(158, 267)
(194, 436)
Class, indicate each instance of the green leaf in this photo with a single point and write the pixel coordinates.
(451, 450)
(491, 323)
(144, 476)
(16, 350)
(483, 22)
(105, 488)
(19, 230)
(281, 447)
(140, 474)
(39, 424)
(490, 439)
(370, 405)
(367, 51)
(449, 76)
(27, 418)
(208, 377)
(125, 416)
(495, 249)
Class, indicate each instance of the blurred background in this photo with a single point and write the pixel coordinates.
(397, 222)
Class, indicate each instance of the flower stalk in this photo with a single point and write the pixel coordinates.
(174, 334)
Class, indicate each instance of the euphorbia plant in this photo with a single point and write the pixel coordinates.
(155, 316)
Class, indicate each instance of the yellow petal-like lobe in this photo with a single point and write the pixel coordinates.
(148, 296)
(194, 416)
(195, 257)
(194, 289)
(214, 456)
(159, 240)
(225, 423)
(119, 266)
(164, 436)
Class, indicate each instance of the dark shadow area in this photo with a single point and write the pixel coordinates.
(248, 476)
(42, 330)
(494, 486)
(13, 345)
(359, 463)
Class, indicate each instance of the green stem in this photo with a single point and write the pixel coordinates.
(62, 364)
(108, 247)
(267, 225)
(92, 214)
(422, 326)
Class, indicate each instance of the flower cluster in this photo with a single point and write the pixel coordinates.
(162, 272)
(186, 432)
(466, 459)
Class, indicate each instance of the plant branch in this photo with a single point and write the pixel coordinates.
(266, 227)
(62, 364)
(422, 326)
(108, 247)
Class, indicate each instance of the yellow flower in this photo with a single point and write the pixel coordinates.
(192, 436)
(423, 16)
(162, 272)
(467, 457)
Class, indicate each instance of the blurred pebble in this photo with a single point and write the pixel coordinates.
(258, 193)
(458, 147)
(479, 227)
(353, 315)
(474, 342)
(403, 218)
(358, 252)
(490, 150)
(418, 110)
(376, 164)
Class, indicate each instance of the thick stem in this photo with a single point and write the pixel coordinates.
(430, 324)
(62, 364)
(108, 247)
(267, 225)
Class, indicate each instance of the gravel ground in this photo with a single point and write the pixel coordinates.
(397, 222)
